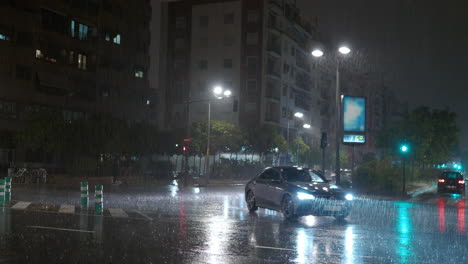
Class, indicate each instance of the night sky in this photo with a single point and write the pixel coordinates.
(422, 44)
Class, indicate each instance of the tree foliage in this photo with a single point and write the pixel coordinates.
(431, 133)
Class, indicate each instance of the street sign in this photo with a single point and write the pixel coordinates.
(354, 139)
(187, 140)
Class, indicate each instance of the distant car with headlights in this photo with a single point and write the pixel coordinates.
(297, 192)
(451, 181)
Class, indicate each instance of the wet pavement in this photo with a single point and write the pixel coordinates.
(212, 225)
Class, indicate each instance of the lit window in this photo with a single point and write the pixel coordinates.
(81, 61)
(107, 37)
(39, 54)
(139, 74)
(82, 32)
(72, 28)
(148, 102)
(4, 37)
(117, 39)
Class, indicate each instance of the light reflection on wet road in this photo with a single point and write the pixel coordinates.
(212, 225)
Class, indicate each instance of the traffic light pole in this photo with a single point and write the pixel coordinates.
(404, 176)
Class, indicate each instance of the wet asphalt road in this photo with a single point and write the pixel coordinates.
(212, 225)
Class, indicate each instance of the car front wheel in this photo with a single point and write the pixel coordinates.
(251, 203)
(287, 207)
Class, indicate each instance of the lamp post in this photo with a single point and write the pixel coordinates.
(296, 115)
(344, 50)
(220, 93)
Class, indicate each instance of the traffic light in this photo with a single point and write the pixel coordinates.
(404, 148)
(184, 149)
(324, 140)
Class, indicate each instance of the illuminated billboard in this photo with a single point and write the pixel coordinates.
(354, 139)
(354, 114)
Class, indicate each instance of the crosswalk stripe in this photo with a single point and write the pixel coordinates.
(21, 205)
(117, 212)
(67, 209)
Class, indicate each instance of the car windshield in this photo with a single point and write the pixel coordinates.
(451, 175)
(300, 175)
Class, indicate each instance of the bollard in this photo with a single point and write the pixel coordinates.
(98, 201)
(84, 194)
(2, 191)
(7, 189)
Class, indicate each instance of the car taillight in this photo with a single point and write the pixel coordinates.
(441, 180)
(461, 182)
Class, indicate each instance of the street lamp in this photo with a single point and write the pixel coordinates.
(220, 93)
(296, 115)
(299, 115)
(344, 50)
(317, 53)
(306, 126)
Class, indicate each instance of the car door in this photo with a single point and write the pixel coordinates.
(275, 189)
(261, 188)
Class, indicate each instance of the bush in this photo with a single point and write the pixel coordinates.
(377, 177)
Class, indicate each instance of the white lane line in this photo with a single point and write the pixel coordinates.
(288, 249)
(143, 214)
(117, 212)
(61, 229)
(21, 205)
(67, 209)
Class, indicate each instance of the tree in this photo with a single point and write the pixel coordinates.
(224, 137)
(44, 131)
(431, 133)
(299, 148)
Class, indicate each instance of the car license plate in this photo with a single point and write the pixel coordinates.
(451, 187)
(332, 208)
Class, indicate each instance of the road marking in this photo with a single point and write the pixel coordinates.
(143, 214)
(21, 205)
(287, 249)
(61, 229)
(67, 209)
(117, 212)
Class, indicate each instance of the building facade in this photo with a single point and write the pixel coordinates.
(78, 56)
(260, 50)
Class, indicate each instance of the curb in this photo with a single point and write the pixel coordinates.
(421, 190)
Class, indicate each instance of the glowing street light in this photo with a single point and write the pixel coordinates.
(306, 126)
(404, 148)
(344, 50)
(299, 115)
(317, 53)
(218, 90)
(227, 93)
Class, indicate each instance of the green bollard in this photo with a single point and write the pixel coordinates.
(7, 189)
(84, 194)
(98, 201)
(2, 191)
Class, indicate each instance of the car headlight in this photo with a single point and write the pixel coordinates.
(305, 196)
(349, 197)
